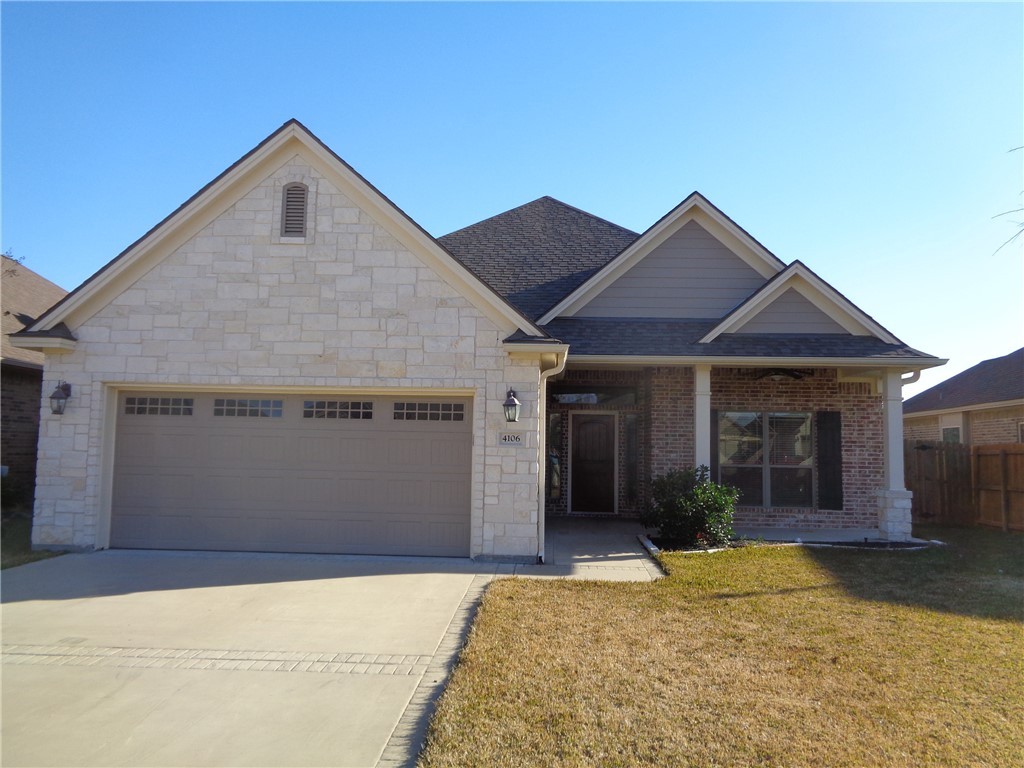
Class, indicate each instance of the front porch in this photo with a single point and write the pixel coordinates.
(810, 449)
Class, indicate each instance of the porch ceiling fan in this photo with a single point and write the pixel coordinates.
(781, 374)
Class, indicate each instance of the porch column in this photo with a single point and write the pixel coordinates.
(894, 499)
(702, 415)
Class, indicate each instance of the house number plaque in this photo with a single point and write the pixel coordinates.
(510, 438)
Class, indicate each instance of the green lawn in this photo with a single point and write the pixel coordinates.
(754, 656)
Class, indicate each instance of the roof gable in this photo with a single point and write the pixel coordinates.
(289, 140)
(692, 274)
(812, 293)
(997, 380)
(695, 208)
(537, 253)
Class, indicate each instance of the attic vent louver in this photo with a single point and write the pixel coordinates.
(293, 211)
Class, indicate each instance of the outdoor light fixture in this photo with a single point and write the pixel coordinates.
(511, 406)
(59, 398)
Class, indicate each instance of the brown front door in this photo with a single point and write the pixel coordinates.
(593, 463)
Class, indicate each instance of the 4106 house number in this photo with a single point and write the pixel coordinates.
(510, 438)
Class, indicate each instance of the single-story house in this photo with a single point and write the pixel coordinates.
(983, 405)
(24, 296)
(288, 362)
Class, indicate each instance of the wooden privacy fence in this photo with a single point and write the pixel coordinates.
(955, 484)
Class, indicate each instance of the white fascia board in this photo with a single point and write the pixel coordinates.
(49, 344)
(815, 290)
(996, 406)
(694, 208)
(906, 365)
(126, 264)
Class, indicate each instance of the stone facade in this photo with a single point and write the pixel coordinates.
(22, 396)
(346, 308)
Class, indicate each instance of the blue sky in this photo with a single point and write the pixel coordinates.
(871, 141)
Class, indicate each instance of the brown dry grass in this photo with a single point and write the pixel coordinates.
(755, 656)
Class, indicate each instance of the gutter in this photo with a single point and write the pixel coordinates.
(551, 364)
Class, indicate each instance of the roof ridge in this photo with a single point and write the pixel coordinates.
(538, 200)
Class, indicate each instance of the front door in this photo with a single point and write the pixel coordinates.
(593, 463)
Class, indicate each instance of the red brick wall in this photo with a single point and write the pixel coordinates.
(863, 439)
(19, 429)
(666, 434)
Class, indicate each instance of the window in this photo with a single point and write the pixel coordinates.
(293, 211)
(951, 434)
(256, 409)
(430, 412)
(768, 456)
(336, 409)
(158, 406)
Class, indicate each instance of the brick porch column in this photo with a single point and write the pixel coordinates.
(702, 415)
(894, 499)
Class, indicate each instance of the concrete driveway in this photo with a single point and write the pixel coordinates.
(213, 659)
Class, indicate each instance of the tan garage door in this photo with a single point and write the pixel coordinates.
(265, 473)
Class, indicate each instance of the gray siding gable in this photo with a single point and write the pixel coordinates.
(690, 275)
(791, 312)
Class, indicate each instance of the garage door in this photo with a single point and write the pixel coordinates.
(256, 472)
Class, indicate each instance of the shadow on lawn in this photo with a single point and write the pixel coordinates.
(980, 572)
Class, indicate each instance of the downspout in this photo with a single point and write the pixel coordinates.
(551, 364)
(914, 376)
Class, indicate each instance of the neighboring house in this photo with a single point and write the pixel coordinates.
(24, 296)
(984, 405)
(288, 362)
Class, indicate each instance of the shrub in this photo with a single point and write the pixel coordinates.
(689, 509)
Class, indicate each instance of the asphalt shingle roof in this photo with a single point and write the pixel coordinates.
(25, 296)
(991, 381)
(615, 336)
(537, 254)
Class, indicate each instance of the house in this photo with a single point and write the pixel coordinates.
(288, 362)
(24, 296)
(983, 405)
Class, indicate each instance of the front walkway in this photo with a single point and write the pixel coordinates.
(593, 548)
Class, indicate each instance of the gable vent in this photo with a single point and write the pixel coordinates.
(293, 211)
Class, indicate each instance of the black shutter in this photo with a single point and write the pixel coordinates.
(714, 445)
(830, 460)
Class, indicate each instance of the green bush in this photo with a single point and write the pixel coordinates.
(691, 510)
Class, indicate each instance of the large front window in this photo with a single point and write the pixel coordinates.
(768, 456)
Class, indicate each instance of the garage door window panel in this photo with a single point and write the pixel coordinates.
(336, 409)
(255, 409)
(429, 412)
(158, 406)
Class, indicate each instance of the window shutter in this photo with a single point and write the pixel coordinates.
(714, 445)
(830, 460)
(293, 211)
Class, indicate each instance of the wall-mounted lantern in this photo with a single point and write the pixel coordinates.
(59, 398)
(512, 407)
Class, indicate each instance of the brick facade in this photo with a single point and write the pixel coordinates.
(999, 425)
(19, 432)
(983, 427)
(665, 404)
(863, 440)
(235, 306)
